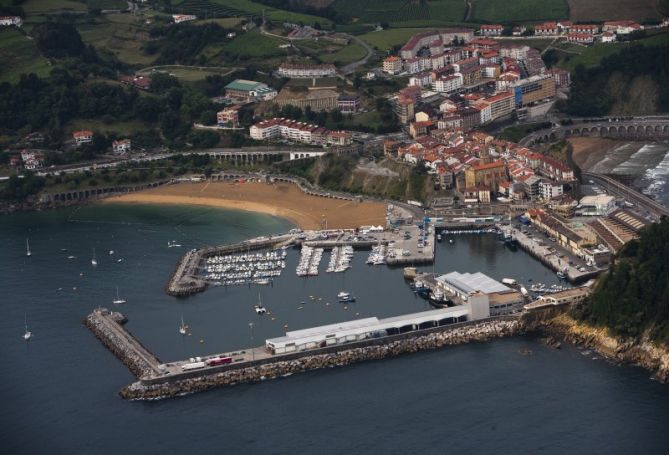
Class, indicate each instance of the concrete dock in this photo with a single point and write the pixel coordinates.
(552, 259)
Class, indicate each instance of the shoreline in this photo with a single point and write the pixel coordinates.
(625, 351)
(245, 206)
(284, 200)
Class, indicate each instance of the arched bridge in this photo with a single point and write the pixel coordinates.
(629, 128)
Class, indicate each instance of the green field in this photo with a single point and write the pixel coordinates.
(386, 39)
(348, 54)
(242, 8)
(592, 55)
(51, 6)
(402, 11)
(518, 10)
(19, 55)
(253, 44)
(118, 37)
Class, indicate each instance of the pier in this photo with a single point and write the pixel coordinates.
(551, 259)
(412, 333)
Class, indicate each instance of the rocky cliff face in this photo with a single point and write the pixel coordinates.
(642, 352)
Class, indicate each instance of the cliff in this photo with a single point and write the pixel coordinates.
(640, 350)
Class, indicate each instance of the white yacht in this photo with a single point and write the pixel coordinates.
(259, 308)
(28, 253)
(182, 327)
(94, 261)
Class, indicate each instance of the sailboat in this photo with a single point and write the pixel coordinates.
(182, 327)
(118, 299)
(28, 334)
(28, 253)
(94, 261)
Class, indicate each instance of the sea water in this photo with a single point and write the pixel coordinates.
(59, 391)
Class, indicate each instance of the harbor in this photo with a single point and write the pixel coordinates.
(413, 333)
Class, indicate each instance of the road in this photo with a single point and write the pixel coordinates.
(348, 69)
(631, 195)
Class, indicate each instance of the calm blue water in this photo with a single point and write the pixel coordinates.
(59, 390)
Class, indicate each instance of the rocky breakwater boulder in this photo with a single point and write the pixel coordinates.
(636, 351)
(347, 355)
(116, 344)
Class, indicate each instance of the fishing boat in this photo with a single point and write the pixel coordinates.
(71, 257)
(111, 252)
(438, 237)
(28, 253)
(118, 299)
(182, 327)
(94, 261)
(561, 275)
(28, 334)
(345, 297)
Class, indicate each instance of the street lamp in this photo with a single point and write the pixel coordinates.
(253, 352)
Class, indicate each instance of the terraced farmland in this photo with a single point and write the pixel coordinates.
(404, 12)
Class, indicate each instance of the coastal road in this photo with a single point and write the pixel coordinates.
(616, 188)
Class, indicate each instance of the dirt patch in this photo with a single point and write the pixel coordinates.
(602, 10)
(280, 199)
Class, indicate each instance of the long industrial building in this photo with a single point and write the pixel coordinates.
(361, 329)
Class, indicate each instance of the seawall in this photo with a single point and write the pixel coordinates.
(473, 332)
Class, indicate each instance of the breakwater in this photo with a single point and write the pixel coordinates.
(107, 327)
(327, 358)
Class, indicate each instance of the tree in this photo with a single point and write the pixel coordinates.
(58, 40)
(207, 117)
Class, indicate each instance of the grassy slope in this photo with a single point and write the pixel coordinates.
(386, 39)
(120, 35)
(19, 55)
(51, 6)
(519, 10)
(594, 54)
(345, 55)
(638, 10)
(253, 44)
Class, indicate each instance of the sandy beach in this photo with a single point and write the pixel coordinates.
(588, 151)
(279, 199)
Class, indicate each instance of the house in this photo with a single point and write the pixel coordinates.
(348, 104)
(590, 29)
(448, 84)
(179, 18)
(607, 37)
(518, 30)
(580, 38)
(550, 190)
(316, 99)
(228, 117)
(621, 27)
(491, 30)
(546, 29)
(477, 194)
(562, 77)
(11, 21)
(291, 130)
(417, 129)
(141, 82)
(392, 65)
(82, 137)
(32, 160)
(122, 146)
(339, 138)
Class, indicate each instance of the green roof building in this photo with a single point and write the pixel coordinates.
(249, 91)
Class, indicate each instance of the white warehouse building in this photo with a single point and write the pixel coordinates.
(361, 329)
